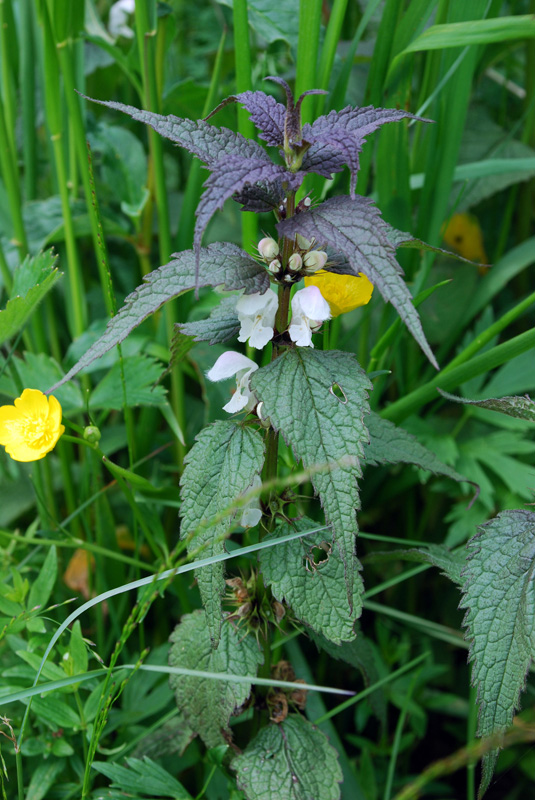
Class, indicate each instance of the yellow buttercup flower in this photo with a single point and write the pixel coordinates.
(342, 292)
(31, 427)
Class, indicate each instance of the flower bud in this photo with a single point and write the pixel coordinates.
(315, 259)
(288, 278)
(295, 262)
(263, 419)
(92, 434)
(274, 267)
(268, 248)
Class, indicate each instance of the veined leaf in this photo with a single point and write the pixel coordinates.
(450, 563)
(267, 115)
(314, 589)
(355, 228)
(269, 768)
(324, 431)
(392, 445)
(219, 264)
(143, 776)
(337, 138)
(220, 467)
(520, 407)
(198, 137)
(499, 595)
(221, 325)
(141, 373)
(32, 280)
(207, 705)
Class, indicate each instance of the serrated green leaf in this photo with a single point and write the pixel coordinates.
(392, 445)
(316, 592)
(140, 376)
(220, 467)
(219, 264)
(221, 325)
(32, 280)
(520, 407)
(324, 431)
(290, 761)
(499, 595)
(207, 705)
(44, 583)
(39, 371)
(143, 776)
(450, 563)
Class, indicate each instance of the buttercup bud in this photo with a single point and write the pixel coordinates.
(295, 262)
(92, 434)
(315, 259)
(268, 248)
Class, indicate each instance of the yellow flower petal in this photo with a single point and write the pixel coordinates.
(463, 233)
(31, 427)
(342, 292)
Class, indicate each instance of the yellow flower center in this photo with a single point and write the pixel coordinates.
(35, 432)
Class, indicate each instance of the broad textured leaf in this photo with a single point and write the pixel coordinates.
(141, 373)
(208, 705)
(499, 595)
(290, 761)
(359, 654)
(220, 467)
(520, 407)
(392, 445)
(316, 592)
(219, 264)
(221, 325)
(324, 431)
(337, 138)
(450, 563)
(142, 776)
(267, 115)
(198, 137)
(230, 175)
(32, 280)
(355, 228)
(262, 196)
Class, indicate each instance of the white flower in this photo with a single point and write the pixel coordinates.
(315, 260)
(268, 248)
(257, 313)
(227, 365)
(252, 513)
(119, 17)
(309, 310)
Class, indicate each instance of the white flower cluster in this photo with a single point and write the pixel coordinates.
(257, 313)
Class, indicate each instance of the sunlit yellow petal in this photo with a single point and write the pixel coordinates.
(342, 292)
(31, 427)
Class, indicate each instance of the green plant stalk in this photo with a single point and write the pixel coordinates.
(9, 171)
(78, 310)
(307, 53)
(242, 60)
(449, 379)
(6, 21)
(471, 737)
(397, 739)
(27, 96)
(20, 773)
(79, 141)
(328, 50)
(440, 632)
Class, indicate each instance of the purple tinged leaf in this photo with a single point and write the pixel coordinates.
(266, 114)
(198, 137)
(230, 176)
(337, 138)
(354, 227)
(219, 264)
(263, 196)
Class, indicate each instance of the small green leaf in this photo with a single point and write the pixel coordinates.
(44, 583)
(311, 580)
(220, 467)
(325, 432)
(290, 761)
(31, 282)
(55, 712)
(43, 779)
(207, 705)
(499, 595)
(140, 375)
(142, 776)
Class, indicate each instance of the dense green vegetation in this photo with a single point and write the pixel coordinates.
(100, 522)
